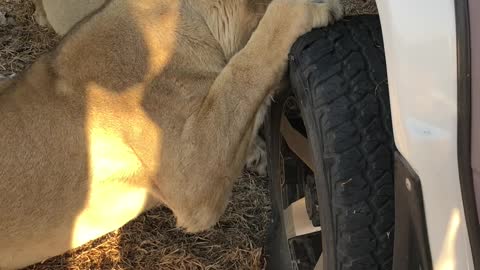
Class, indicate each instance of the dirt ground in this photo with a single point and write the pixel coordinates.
(151, 241)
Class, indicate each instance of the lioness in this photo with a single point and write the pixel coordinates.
(144, 102)
(62, 15)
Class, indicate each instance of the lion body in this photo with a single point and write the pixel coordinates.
(142, 103)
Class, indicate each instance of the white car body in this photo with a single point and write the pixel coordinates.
(421, 53)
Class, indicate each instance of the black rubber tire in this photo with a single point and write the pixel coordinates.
(338, 77)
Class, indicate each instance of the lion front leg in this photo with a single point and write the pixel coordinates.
(217, 137)
(204, 211)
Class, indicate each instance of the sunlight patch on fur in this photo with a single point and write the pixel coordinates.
(114, 161)
(110, 157)
(99, 218)
(160, 44)
(115, 149)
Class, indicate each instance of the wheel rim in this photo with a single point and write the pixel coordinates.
(299, 199)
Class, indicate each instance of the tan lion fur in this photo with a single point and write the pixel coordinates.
(144, 102)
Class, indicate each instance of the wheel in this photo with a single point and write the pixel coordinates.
(330, 150)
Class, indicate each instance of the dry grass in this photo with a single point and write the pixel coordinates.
(151, 241)
(357, 7)
(21, 39)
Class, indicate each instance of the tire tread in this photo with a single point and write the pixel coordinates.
(345, 89)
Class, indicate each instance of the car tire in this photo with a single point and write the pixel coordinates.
(339, 91)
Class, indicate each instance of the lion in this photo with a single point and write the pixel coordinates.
(62, 15)
(142, 103)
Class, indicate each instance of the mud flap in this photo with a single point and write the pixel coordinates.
(411, 247)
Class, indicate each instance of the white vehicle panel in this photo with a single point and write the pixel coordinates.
(420, 47)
